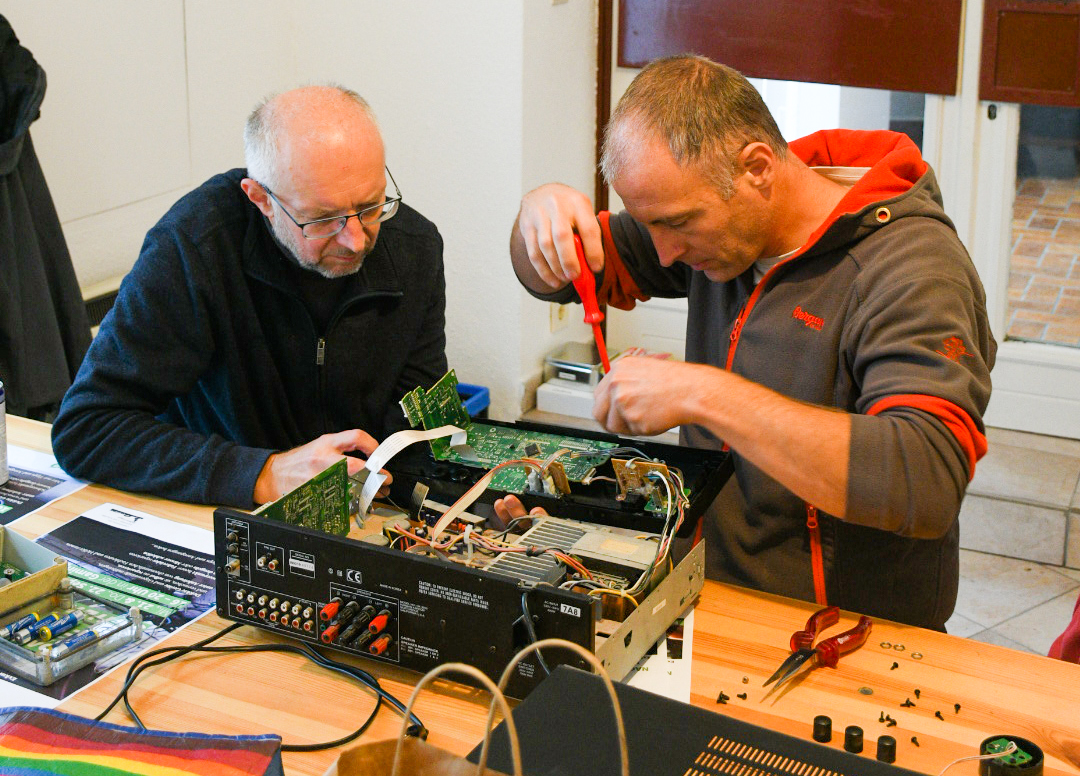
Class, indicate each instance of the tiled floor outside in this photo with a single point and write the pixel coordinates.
(1020, 530)
(1044, 277)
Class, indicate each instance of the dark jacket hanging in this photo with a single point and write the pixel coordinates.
(44, 331)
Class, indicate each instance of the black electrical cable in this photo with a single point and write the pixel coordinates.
(273, 648)
(143, 662)
(531, 630)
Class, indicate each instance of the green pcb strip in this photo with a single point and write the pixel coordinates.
(321, 503)
(15, 573)
(488, 446)
(138, 591)
(121, 599)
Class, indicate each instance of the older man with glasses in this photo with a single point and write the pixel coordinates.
(274, 317)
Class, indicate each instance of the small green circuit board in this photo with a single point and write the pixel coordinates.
(658, 500)
(489, 446)
(14, 573)
(1019, 757)
(321, 503)
(436, 407)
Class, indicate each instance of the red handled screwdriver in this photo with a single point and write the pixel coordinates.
(585, 285)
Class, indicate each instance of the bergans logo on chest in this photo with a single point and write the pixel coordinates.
(812, 321)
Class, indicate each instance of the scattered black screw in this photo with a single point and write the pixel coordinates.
(891, 723)
(957, 707)
(722, 698)
(741, 696)
(907, 703)
(917, 691)
(894, 666)
(915, 740)
(882, 717)
(938, 715)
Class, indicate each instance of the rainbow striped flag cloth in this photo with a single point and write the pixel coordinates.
(36, 742)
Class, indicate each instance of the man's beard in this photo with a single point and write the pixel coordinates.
(288, 242)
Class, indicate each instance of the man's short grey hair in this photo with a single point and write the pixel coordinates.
(704, 111)
(261, 141)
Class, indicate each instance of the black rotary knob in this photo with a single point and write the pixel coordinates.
(853, 739)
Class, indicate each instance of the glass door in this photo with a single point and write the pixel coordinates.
(1010, 176)
(1044, 270)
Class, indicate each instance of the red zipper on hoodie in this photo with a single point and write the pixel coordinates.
(817, 560)
(812, 523)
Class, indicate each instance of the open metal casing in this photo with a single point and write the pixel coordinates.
(439, 611)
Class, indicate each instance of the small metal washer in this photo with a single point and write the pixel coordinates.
(898, 647)
(886, 645)
(916, 655)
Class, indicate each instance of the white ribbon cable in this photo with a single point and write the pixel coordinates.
(393, 445)
(461, 505)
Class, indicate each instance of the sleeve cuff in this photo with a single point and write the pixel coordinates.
(234, 476)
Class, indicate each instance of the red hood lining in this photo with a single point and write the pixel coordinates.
(895, 163)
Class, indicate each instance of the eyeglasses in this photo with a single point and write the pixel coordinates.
(321, 228)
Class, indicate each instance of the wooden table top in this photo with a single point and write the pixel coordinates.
(738, 634)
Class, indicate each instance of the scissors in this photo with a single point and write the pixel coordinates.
(826, 652)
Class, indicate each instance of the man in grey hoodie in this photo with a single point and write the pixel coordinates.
(837, 339)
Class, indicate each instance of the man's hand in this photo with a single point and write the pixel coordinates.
(644, 396)
(779, 435)
(286, 471)
(542, 243)
(511, 508)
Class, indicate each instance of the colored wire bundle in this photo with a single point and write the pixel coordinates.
(675, 504)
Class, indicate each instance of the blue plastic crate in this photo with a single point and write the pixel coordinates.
(475, 398)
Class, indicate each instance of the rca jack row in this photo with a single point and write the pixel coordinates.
(283, 612)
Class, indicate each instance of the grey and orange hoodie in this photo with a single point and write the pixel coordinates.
(881, 314)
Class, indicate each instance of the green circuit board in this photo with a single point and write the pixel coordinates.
(321, 503)
(1014, 759)
(487, 446)
(14, 573)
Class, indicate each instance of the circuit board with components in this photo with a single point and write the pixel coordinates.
(490, 445)
(553, 467)
(321, 503)
(432, 573)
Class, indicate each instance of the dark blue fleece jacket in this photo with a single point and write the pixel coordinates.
(210, 360)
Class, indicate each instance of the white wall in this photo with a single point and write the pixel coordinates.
(478, 102)
(559, 135)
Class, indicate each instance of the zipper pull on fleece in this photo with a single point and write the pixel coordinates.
(320, 352)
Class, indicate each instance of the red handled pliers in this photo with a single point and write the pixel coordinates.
(826, 652)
